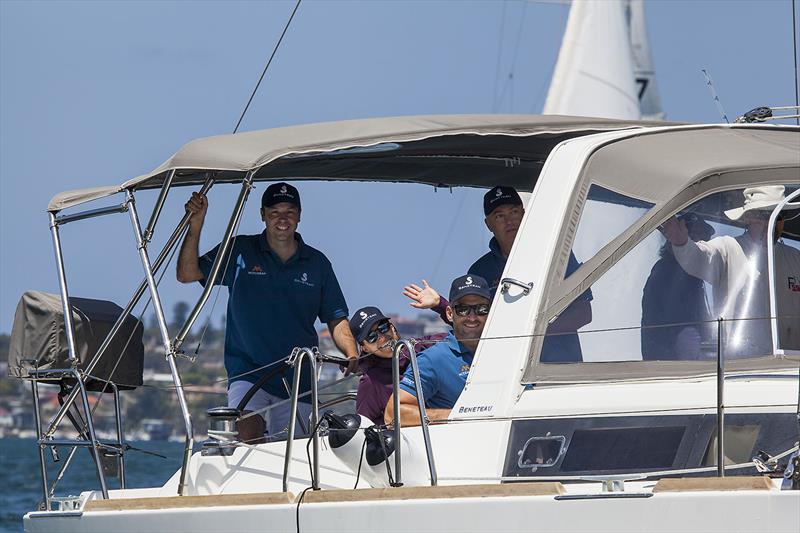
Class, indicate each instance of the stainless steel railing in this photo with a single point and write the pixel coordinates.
(405, 343)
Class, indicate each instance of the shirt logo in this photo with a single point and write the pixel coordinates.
(303, 280)
(464, 371)
(794, 284)
(257, 271)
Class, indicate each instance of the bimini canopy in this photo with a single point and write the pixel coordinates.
(449, 150)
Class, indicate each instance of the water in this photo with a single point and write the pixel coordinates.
(20, 479)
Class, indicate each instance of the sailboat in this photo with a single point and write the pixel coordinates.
(618, 438)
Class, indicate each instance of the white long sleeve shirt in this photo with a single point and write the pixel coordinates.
(736, 268)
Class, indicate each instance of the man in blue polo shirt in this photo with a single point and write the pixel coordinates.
(503, 209)
(278, 286)
(443, 368)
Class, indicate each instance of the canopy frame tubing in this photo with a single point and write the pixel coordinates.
(172, 347)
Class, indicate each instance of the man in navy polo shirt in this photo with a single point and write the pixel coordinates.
(278, 286)
(443, 368)
(503, 209)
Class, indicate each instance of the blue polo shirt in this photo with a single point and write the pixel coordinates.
(562, 348)
(443, 370)
(272, 305)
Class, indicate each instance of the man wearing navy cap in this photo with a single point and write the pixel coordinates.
(278, 286)
(443, 368)
(503, 209)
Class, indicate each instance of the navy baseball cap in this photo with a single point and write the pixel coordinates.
(280, 192)
(469, 284)
(363, 320)
(498, 196)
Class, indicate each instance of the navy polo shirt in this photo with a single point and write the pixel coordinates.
(272, 305)
(443, 370)
(557, 348)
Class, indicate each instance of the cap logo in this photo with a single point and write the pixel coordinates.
(469, 280)
(499, 192)
(363, 315)
(283, 189)
(304, 277)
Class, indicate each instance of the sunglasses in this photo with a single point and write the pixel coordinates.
(382, 329)
(464, 310)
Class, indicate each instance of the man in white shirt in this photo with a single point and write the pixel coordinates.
(737, 269)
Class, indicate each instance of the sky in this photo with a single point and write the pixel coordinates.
(94, 93)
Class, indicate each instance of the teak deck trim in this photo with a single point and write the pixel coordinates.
(182, 502)
(435, 493)
(713, 483)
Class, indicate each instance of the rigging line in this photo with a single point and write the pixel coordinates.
(271, 57)
(794, 49)
(500, 43)
(509, 82)
(443, 248)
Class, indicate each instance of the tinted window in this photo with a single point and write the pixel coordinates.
(622, 449)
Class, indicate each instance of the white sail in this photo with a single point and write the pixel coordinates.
(594, 73)
(644, 73)
(604, 67)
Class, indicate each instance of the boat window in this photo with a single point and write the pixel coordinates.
(541, 452)
(661, 302)
(639, 448)
(605, 215)
(739, 445)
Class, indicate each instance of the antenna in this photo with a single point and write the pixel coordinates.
(794, 49)
(714, 96)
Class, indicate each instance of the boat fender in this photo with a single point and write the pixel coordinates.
(346, 437)
(414, 461)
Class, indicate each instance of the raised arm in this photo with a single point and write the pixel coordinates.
(699, 259)
(188, 261)
(426, 297)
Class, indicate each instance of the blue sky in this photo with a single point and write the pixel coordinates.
(93, 93)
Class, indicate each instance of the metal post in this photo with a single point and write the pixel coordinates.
(62, 470)
(95, 445)
(165, 251)
(297, 362)
(42, 461)
(423, 416)
(720, 403)
(168, 349)
(396, 426)
(120, 435)
(218, 261)
(62, 282)
(151, 225)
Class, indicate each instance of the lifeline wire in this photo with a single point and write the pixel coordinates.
(500, 337)
(274, 50)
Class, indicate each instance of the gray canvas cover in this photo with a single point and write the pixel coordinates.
(39, 340)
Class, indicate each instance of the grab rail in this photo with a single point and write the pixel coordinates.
(296, 360)
(423, 416)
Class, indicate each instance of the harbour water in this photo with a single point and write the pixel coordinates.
(20, 480)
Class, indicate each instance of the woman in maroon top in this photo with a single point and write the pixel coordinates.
(376, 335)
